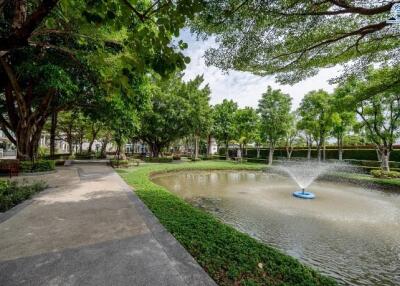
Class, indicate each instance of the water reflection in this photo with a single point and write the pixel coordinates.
(349, 233)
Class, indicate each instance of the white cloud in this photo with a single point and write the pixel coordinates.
(243, 87)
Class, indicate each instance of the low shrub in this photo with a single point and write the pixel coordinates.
(385, 174)
(37, 166)
(195, 159)
(60, 162)
(85, 156)
(119, 163)
(176, 157)
(12, 194)
(158, 160)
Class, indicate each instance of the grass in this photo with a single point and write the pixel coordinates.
(229, 256)
(367, 180)
(12, 193)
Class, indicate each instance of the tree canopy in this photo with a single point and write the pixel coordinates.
(294, 39)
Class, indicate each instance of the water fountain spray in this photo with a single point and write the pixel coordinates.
(304, 173)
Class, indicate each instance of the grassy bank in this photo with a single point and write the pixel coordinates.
(230, 257)
(12, 193)
(366, 180)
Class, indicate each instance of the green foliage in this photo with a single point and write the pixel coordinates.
(158, 159)
(246, 120)
(224, 128)
(348, 154)
(229, 256)
(175, 109)
(274, 108)
(115, 163)
(385, 174)
(316, 115)
(11, 193)
(293, 39)
(37, 166)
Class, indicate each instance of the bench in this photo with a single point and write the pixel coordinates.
(10, 166)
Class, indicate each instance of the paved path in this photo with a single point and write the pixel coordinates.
(89, 228)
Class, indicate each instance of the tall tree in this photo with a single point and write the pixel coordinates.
(315, 110)
(224, 123)
(47, 47)
(294, 39)
(291, 134)
(343, 121)
(200, 110)
(378, 109)
(167, 116)
(274, 108)
(246, 123)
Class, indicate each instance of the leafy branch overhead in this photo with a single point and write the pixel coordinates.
(294, 39)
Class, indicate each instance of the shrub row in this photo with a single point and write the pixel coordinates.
(37, 166)
(158, 160)
(12, 194)
(385, 174)
(356, 154)
(119, 163)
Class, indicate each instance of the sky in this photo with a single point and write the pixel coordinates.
(243, 87)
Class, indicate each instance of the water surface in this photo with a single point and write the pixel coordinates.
(347, 232)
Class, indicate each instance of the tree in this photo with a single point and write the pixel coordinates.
(66, 129)
(224, 123)
(315, 112)
(274, 108)
(291, 134)
(47, 47)
(379, 110)
(245, 125)
(200, 110)
(294, 39)
(343, 121)
(168, 114)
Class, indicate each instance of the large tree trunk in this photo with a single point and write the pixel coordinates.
(155, 150)
(309, 146)
(196, 147)
(209, 146)
(289, 151)
(103, 150)
(319, 152)
(271, 154)
(385, 155)
(53, 134)
(378, 154)
(340, 148)
(28, 138)
(226, 150)
(258, 151)
(324, 152)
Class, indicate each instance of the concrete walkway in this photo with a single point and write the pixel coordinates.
(89, 228)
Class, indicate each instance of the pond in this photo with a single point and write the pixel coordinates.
(349, 233)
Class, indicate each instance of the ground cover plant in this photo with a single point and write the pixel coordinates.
(229, 256)
(13, 193)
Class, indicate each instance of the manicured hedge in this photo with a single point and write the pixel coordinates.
(12, 194)
(356, 154)
(119, 163)
(158, 160)
(37, 166)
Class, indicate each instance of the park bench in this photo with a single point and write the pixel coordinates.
(10, 166)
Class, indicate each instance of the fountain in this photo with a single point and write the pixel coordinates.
(304, 173)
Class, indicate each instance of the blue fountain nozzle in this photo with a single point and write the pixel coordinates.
(303, 190)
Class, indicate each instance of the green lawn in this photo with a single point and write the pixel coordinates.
(230, 257)
(366, 179)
